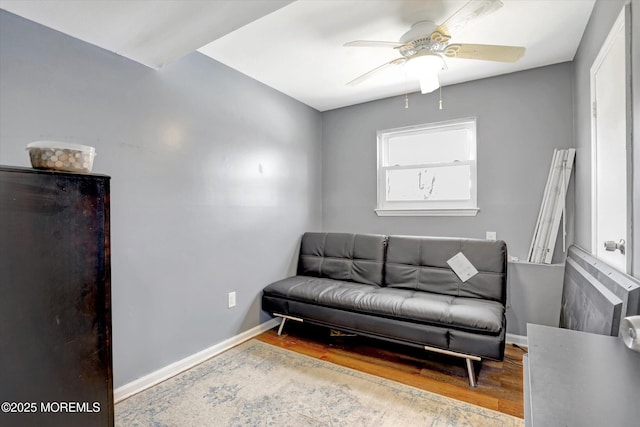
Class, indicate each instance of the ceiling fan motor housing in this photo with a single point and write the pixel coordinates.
(421, 29)
(422, 37)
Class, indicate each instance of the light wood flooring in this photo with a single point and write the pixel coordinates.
(499, 383)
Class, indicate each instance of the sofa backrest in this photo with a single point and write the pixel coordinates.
(421, 263)
(341, 256)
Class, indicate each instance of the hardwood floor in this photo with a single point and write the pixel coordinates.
(499, 383)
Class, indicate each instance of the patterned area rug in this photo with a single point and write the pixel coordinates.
(256, 384)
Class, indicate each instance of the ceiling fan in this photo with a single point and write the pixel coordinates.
(425, 45)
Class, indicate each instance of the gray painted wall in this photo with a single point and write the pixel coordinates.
(214, 178)
(602, 19)
(521, 118)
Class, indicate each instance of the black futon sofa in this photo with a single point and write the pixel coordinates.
(400, 289)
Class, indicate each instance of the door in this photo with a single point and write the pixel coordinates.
(609, 151)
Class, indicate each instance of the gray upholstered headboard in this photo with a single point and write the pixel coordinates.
(596, 297)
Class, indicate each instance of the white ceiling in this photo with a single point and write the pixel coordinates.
(152, 32)
(297, 47)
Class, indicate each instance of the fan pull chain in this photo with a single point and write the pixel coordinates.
(440, 103)
(406, 100)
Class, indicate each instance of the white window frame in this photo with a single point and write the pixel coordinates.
(427, 207)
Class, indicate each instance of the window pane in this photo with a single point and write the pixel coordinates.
(431, 146)
(441, 183)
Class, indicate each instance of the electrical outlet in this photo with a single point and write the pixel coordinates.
(491, 235)
(232, 299)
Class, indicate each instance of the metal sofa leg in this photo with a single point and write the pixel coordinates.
(284, 319)
(282, 322)
(471, 372)
(468, 357)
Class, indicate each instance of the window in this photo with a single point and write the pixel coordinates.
(428, 169)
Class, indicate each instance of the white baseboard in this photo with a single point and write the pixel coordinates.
(520, 340)
(162, 374)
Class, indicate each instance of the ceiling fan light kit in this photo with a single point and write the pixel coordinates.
(424, 67)
(425, 45)
(429, 83)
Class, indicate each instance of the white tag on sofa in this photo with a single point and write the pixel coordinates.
(462, 267)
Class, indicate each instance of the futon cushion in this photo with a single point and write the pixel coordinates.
(420, 263)
(342, 256)
(443, 310)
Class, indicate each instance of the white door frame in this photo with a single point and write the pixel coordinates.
(622, 24)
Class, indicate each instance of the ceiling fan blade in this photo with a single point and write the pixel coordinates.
(368, 74)
(486, 52)
(473, 9)
(371, 43)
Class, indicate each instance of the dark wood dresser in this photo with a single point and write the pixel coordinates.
(55, 299)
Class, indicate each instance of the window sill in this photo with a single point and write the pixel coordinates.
(427, 212)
